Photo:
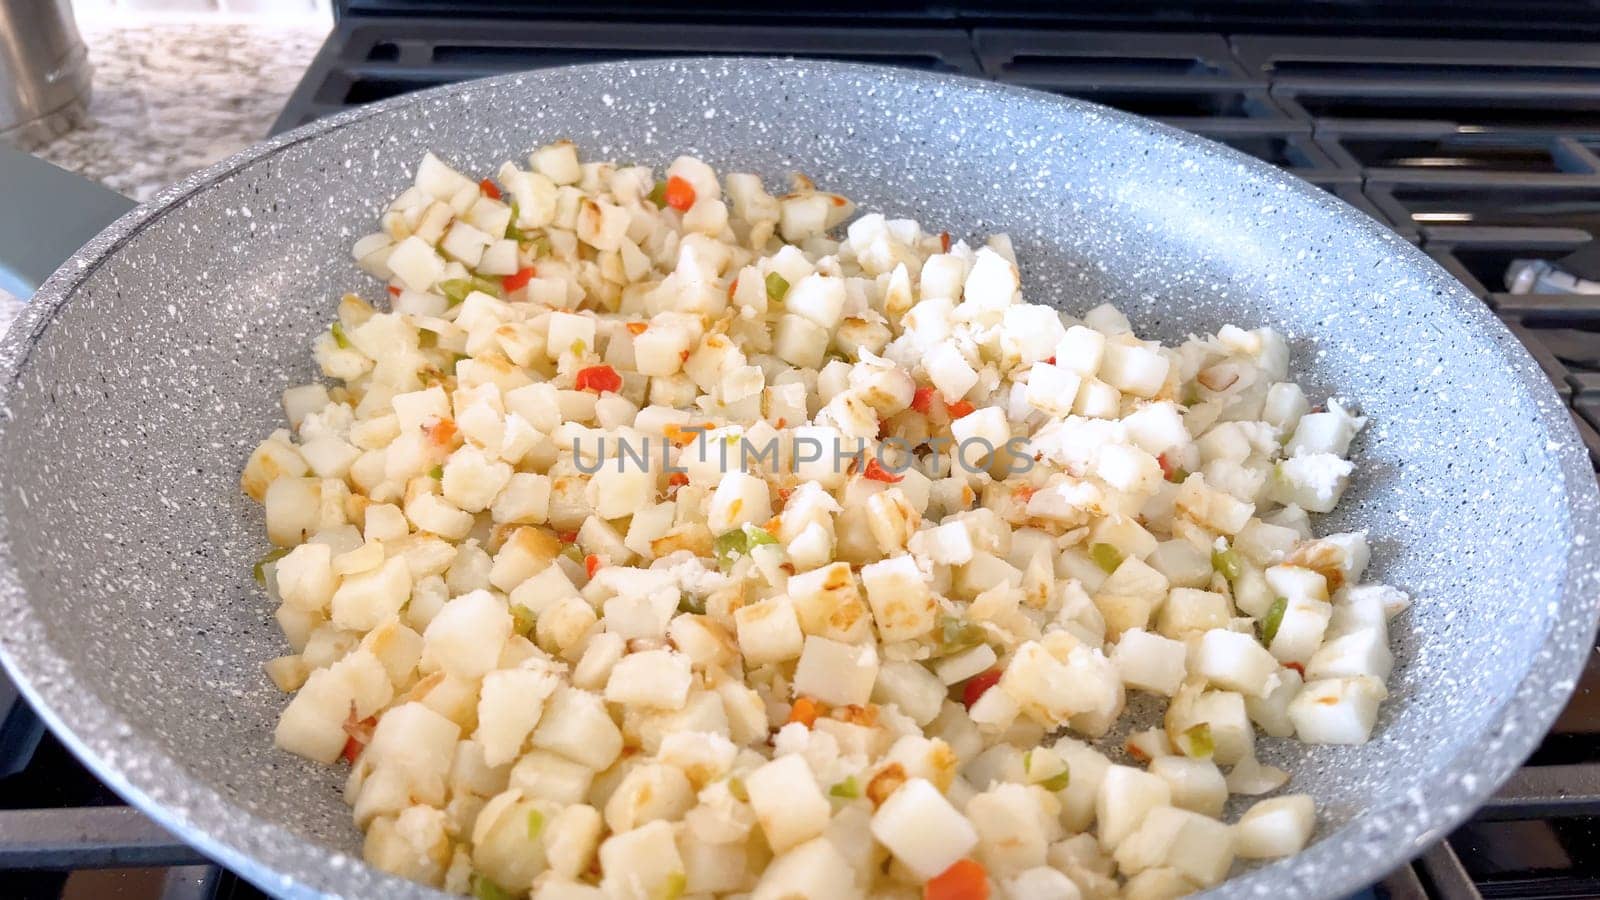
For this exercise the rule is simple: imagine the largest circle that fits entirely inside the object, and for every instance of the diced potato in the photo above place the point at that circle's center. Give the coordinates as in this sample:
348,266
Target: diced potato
648,792
917,692
1013,828
922,830
364,600
1337,710
508,707
1271,712
462,630
902,604
1196,784
1300,630
305,577
788,804
837,674
769,631
642,864
1125,797
655,678
1235,662
1152,663
1199,847
814,870
1277,826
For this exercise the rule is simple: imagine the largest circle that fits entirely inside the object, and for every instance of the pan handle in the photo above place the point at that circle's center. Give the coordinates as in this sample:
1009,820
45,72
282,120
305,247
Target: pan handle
46,214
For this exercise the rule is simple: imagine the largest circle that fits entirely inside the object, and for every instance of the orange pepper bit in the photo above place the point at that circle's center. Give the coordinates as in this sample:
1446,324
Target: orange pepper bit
805,711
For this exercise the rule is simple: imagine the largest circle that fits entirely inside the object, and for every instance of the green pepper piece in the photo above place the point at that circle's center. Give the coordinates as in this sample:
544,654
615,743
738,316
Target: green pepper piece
777,286
1227,562
1197,741
535,824
260,568
658,194
847,789
484,889
1106,556
1271,621
339,337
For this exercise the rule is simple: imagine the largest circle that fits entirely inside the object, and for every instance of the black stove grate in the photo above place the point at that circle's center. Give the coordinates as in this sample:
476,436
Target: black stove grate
1480,152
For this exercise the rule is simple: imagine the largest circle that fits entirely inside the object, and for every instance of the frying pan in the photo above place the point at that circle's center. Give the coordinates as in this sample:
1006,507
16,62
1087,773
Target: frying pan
150,363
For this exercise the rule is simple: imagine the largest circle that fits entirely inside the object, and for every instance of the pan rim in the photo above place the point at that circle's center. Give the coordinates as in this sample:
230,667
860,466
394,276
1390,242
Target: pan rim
281,861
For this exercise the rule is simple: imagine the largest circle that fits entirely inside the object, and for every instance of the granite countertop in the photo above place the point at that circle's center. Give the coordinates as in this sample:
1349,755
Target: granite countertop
169,99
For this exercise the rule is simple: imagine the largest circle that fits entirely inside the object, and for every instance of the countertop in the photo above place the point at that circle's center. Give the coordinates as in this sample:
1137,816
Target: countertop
172,98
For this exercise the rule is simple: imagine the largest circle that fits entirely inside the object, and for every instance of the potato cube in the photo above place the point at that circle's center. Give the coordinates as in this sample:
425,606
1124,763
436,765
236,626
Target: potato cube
569,333
642,864
787,801
1271,712
1300,630
1224,714
414,739
293,509
1200,848
528,552
1314,482
363,601
577,725
949,544
571,838
509,705
978,436
305,577
958,667
525,500
835,673
1278,826
922,830
815,870
820,298
1125,797
1011,828
465,243
1080,351
949,371
542,775
432,513
827,602
1152,663
739,499
1196,784
768,631
799,341
655,678
902,603
466,635
1042,883
1188,611
1088,767
416,264
1135,370
912,688
1337,710
648,792
1363,651
1236,662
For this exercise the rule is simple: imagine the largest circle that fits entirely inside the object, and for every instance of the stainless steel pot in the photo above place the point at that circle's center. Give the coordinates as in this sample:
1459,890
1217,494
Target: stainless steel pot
147,367
44,71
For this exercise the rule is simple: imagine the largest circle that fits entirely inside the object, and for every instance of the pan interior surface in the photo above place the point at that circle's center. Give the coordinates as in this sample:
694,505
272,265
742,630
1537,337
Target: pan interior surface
128,603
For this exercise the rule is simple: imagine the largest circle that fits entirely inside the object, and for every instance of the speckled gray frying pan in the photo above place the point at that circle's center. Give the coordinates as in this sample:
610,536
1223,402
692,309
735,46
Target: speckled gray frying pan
150,364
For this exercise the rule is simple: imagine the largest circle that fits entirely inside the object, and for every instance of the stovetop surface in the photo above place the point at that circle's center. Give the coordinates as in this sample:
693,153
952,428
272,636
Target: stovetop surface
1481,152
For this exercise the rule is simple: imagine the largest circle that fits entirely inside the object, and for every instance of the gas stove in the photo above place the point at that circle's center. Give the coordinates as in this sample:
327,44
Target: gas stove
1480,151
